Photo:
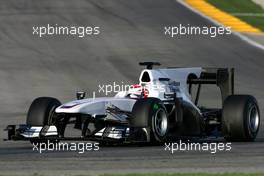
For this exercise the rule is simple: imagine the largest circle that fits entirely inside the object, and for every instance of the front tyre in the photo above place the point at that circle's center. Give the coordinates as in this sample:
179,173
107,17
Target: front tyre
241,118
160,124
151,113
41,113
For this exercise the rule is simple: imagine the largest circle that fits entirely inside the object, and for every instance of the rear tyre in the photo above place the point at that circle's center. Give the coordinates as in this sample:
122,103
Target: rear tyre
241,118
41,113
151,113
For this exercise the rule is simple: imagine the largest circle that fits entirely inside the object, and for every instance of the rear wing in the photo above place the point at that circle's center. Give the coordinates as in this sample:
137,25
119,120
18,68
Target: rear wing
222,77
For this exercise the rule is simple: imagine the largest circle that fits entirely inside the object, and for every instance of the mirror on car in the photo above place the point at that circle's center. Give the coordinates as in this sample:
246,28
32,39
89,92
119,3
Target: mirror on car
80,95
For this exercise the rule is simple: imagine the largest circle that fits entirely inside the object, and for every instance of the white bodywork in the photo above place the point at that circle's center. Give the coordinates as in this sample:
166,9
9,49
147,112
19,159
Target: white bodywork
125,100
34,131
157,83
96,106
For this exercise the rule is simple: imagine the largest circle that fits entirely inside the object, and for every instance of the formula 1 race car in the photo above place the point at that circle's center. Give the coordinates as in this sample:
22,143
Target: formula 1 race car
162,107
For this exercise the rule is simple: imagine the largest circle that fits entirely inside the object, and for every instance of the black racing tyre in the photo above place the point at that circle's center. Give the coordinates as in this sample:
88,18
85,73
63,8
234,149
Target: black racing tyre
240,118
41,113
151,113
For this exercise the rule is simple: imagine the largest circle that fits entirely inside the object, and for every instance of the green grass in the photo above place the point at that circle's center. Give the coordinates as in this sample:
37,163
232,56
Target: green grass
242,6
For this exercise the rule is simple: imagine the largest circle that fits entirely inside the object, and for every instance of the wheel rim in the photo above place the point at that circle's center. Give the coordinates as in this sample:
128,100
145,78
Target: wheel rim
161,122
253,118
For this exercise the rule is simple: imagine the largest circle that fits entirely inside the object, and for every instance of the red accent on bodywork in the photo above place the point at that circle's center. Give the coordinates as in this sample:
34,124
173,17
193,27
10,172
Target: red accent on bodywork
145,92
135,86
142,89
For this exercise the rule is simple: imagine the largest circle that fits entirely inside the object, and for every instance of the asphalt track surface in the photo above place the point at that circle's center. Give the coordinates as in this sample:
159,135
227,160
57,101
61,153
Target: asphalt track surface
131,31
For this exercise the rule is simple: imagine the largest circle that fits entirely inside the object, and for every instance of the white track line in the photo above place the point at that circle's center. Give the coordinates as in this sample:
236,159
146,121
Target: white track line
248,14
241,36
